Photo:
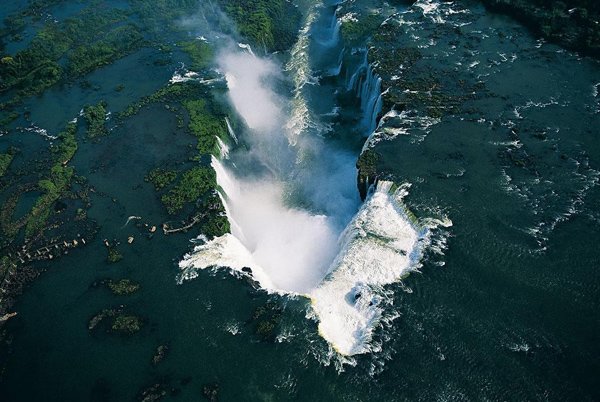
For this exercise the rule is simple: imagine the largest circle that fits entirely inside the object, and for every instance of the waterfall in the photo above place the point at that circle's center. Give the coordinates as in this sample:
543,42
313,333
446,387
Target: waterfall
334,36
356,75
297,228
381,245
230,130
223,148
334,72
371,102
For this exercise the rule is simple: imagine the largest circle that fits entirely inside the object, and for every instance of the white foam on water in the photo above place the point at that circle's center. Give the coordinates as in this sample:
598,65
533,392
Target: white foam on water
223,148
183,76
246,47
131,218
379,247
595,90
41,131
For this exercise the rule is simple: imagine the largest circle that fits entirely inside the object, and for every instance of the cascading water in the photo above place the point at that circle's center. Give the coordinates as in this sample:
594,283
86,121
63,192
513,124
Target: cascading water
371,100
323,246
366,83
230,130
352,84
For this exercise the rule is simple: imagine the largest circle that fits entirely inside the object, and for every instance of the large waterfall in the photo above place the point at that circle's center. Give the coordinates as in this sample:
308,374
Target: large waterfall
297,226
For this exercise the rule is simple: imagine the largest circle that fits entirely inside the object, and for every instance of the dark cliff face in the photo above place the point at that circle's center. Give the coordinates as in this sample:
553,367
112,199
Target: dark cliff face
574,24
367,171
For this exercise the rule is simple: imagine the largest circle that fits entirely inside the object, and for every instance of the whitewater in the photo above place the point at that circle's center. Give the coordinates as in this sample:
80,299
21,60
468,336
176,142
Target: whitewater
297,224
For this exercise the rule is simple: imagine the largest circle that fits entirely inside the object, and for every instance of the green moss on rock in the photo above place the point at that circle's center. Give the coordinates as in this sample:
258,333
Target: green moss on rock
161,178
127,324
123,287
95,117
114,255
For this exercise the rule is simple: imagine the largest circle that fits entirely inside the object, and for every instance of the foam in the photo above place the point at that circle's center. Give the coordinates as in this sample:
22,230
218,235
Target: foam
379,247
288,249
223,148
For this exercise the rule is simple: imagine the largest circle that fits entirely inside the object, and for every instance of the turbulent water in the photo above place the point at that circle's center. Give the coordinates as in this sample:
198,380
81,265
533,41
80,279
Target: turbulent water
469,272
292,227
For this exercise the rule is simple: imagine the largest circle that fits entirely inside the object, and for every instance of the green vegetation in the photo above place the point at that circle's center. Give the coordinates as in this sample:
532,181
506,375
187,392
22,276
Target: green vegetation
355,31
117,43
266,319
196,185
15,23
114,255
8,226
67,146
192,185
121,322
91,39
53,188
127,324
5,160
205,125
169,93
367,163
123,287
573,24
268,24
200,53
217,223
7,118
95,117
160,15
161,178
367,170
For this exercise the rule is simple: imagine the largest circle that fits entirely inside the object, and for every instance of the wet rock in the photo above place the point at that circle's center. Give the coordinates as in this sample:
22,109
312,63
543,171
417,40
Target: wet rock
122,286
153,393
101,316
266,320
160,354
127,324
114,255
116,321
211,392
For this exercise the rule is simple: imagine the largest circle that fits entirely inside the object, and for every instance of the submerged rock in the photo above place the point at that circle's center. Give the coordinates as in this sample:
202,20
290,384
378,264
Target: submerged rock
114,255
101,316
153,393
266,319
160,354
122,323
211,392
